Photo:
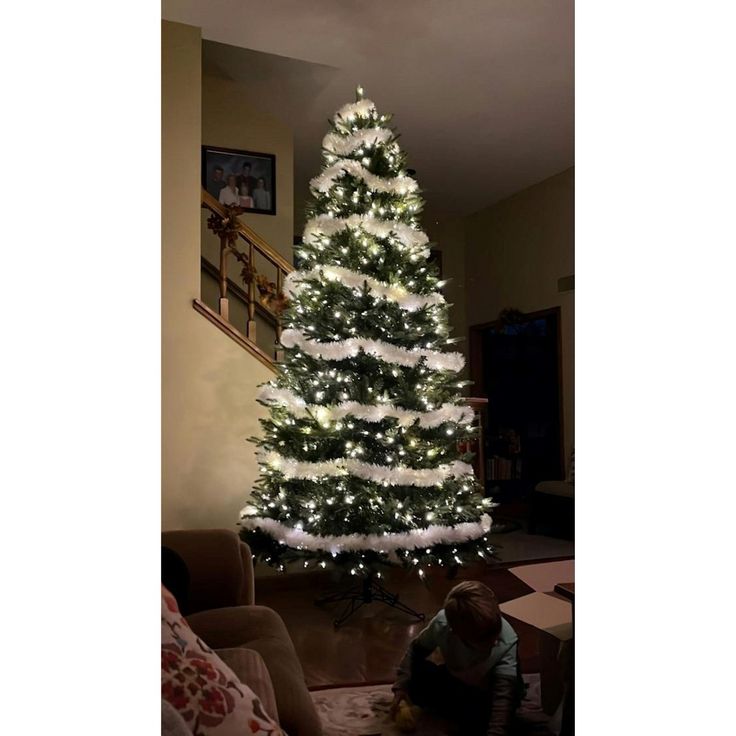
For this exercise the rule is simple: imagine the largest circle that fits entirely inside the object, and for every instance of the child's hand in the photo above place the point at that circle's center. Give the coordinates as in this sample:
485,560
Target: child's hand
399,695
404,713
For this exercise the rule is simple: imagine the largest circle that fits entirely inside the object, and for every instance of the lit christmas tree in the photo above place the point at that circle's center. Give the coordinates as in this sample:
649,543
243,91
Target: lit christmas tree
359,458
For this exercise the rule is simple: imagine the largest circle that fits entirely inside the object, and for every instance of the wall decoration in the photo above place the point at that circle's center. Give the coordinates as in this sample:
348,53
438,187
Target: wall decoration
435,259
240,178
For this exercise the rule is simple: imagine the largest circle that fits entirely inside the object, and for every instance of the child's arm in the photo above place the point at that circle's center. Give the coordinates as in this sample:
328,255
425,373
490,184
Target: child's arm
419,648
503,705
415,653
504,693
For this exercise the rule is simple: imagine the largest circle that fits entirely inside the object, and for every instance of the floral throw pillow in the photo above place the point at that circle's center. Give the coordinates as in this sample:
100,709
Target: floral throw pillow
202,688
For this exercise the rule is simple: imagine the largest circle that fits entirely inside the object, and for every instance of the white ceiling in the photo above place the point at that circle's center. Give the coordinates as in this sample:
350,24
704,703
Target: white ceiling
481,90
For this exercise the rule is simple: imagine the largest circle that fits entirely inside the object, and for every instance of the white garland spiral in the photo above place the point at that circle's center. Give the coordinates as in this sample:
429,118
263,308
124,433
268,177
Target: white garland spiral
299,408
394,185
343,349
413,539
342,145
387,475
324,225
361,108
398,294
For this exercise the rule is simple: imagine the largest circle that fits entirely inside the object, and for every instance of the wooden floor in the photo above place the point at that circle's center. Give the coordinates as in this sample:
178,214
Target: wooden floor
368,647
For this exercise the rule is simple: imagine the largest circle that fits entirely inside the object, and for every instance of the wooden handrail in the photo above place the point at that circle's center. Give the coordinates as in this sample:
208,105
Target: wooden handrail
248,234
225,223
234,288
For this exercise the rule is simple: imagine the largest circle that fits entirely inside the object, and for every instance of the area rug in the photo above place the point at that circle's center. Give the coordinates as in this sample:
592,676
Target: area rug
364,711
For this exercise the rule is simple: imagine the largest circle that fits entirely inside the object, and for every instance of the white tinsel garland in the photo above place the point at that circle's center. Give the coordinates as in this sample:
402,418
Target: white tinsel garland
361,108
342,145
410,238
388,475
367,412
343,349
405,299
414,539
394,185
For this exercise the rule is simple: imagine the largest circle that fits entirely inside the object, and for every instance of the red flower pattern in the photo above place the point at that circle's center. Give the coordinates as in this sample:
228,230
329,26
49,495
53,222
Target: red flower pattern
169,660
175,695
212,701
204,669
200,686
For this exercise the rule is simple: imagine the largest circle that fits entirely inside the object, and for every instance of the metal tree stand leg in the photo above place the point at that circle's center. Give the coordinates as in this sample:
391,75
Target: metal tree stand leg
367,591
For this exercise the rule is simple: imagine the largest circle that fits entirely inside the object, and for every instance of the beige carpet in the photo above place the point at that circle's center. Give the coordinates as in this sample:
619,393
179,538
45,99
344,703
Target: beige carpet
363,711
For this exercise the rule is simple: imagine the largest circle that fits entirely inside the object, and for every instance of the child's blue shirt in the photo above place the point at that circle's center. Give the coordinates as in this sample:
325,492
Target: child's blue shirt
466,663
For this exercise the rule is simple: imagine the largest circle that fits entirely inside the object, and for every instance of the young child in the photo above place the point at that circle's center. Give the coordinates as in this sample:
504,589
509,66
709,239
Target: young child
479,686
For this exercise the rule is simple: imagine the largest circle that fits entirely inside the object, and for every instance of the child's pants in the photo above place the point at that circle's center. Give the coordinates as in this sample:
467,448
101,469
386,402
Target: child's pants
433,688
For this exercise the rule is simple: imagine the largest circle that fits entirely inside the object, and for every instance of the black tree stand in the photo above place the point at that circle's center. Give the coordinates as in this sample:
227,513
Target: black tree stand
368,590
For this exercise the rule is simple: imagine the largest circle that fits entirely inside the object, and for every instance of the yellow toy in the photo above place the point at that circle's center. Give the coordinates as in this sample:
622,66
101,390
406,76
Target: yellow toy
406,717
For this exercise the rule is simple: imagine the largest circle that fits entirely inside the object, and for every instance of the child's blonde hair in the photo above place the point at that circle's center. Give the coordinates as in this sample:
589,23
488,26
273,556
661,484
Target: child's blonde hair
472,605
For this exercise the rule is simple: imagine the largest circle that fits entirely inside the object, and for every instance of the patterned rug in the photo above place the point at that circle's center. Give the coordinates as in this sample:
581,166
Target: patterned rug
364,711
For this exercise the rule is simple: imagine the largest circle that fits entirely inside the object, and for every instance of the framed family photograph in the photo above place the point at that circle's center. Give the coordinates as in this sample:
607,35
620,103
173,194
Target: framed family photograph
243,178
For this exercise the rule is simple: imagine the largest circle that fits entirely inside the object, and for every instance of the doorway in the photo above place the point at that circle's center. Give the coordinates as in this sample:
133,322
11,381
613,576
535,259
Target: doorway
515,364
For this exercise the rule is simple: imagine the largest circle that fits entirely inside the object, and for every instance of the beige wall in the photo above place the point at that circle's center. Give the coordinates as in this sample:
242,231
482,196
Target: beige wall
448,236
515,251
230,120
208,381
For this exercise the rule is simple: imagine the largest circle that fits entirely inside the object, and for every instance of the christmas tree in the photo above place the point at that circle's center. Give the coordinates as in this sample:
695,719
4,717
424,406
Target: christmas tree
359,455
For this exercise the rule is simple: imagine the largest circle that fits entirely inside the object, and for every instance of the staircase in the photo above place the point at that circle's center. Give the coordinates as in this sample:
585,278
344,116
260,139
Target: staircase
245,299
242,295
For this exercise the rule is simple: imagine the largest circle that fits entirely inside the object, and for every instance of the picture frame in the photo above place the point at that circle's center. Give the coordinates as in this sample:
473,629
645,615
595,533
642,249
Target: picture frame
253,187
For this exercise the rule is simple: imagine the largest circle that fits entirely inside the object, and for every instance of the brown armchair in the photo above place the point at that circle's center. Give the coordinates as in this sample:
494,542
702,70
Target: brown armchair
220,567
222,611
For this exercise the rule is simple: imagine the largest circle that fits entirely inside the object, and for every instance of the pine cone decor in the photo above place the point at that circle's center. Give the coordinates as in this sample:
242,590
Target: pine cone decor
266,288
279,303
248,273
214,223
510,316
270,296
227,226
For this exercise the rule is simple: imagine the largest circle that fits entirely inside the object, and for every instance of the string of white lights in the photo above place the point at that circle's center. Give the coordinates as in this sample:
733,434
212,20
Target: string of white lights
299,408
342,145
343,349
387,475
390,542
392,184
326,226
406,299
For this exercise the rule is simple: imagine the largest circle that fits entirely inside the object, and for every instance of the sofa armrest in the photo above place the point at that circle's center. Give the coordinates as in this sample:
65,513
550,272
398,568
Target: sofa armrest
251,670
262,629
249,585
220,569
